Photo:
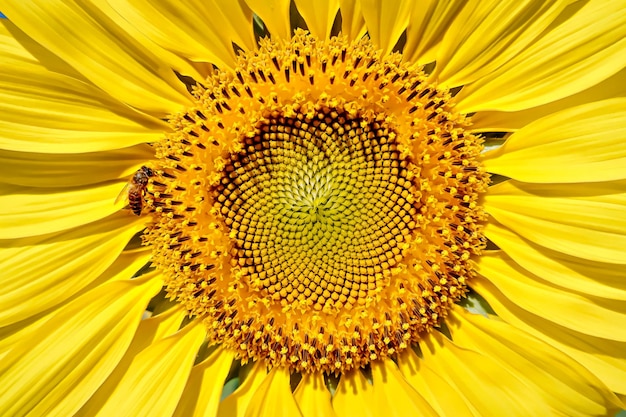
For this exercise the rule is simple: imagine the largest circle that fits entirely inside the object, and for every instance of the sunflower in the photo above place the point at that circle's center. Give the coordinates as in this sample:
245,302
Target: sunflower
335,208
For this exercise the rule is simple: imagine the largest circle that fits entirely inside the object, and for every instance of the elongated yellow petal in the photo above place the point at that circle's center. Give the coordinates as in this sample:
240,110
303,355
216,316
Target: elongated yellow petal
56,369
579,53
499,121
273,398
37,211
484,384
201,396
31,136
56,64
102,52
428,24
583,313
395,395
606,359
124,267
583,220
70,170
47,112
388,395
353,397
433,387
150,330
576,274
313,397
352,23
386,21
40,276
18,46
197,30
562,383
275,16
582,144
12,335
156,378
486,34
319,16
234,20
236,404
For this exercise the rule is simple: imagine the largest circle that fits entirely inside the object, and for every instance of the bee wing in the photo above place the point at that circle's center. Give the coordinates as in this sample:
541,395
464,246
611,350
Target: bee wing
123,195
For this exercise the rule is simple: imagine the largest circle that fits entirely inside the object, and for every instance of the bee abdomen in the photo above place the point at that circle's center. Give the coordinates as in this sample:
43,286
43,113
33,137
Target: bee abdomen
136,204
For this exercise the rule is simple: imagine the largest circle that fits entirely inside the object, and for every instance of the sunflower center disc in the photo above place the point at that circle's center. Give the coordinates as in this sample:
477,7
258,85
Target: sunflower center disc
318,207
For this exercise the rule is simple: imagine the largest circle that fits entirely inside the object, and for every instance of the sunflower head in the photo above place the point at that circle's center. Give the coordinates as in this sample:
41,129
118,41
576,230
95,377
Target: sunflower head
318,207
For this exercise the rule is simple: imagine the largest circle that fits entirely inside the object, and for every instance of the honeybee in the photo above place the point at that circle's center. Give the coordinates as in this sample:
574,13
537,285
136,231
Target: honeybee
136,188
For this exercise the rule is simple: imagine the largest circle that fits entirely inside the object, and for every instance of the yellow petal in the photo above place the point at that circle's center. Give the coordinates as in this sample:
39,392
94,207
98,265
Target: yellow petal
11,336
273,398
40,276
319,16
485,385
386,21
157,376
313,397
584,220
353,397
389,395
395,395
201,396
575,55
124,267
150,330
25,50
56,64
498,121
576,274
562,383
47,112
56,369
102,52
37,211
235,404
486,34
583,313
352,23
70,170
606,359
433,387
582,144
275,16
197,30
427,27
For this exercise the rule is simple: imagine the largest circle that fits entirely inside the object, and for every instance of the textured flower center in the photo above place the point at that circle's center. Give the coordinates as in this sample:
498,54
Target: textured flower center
318,207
